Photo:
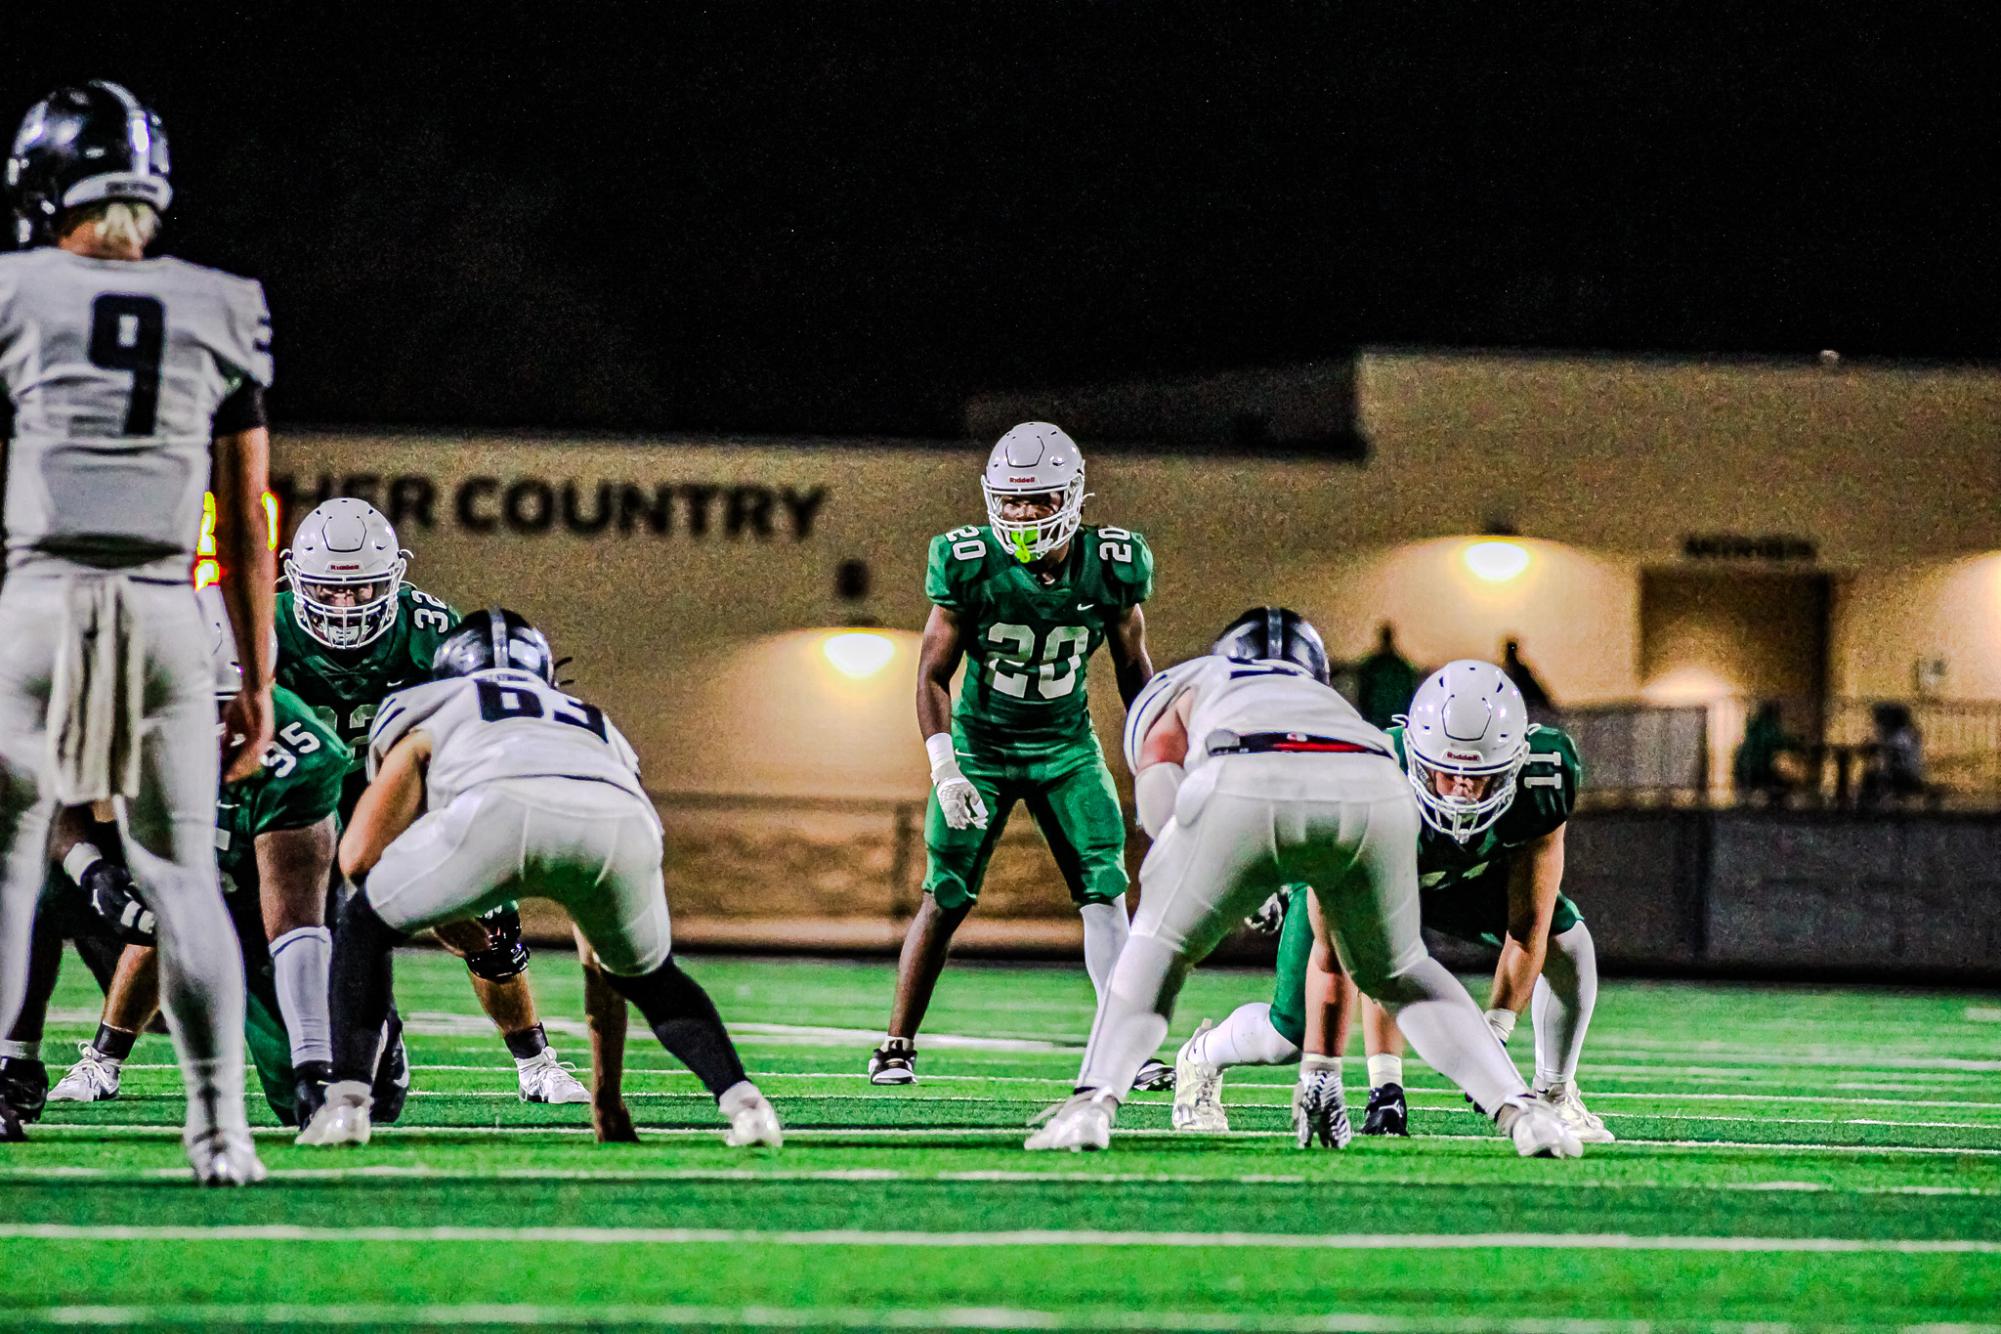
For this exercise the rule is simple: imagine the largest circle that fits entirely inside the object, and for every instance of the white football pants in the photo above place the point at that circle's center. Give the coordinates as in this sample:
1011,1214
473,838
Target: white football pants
1246,824
589,846
169,827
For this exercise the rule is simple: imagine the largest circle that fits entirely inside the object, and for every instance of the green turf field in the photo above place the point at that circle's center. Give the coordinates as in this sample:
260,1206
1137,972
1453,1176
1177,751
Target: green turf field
1790,1158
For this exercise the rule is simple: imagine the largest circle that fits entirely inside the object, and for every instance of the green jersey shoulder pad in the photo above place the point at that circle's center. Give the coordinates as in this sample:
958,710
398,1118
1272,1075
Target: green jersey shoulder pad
1546,791
1125,562
958,563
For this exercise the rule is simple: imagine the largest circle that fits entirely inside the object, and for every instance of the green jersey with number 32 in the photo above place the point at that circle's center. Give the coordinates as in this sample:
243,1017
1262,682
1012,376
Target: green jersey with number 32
345,688
1545,794
299,785
1027,643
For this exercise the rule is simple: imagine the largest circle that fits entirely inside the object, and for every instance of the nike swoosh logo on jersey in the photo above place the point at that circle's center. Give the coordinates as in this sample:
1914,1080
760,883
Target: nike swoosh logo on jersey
1085,606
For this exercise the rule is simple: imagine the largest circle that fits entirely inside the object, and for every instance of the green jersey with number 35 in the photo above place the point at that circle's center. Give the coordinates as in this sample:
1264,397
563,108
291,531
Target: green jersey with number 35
1545,794
344,688
299,785
1027,643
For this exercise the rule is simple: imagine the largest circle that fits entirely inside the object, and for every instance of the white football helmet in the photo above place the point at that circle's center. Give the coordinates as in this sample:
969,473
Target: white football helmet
1035,459
345,568
1467,719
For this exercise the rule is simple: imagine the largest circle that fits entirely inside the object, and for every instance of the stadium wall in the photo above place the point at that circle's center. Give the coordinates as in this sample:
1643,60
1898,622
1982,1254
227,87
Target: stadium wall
695,581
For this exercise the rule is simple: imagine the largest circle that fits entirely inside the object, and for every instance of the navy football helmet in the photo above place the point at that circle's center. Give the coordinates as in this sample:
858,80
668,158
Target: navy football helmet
1265,634
494,638
81,146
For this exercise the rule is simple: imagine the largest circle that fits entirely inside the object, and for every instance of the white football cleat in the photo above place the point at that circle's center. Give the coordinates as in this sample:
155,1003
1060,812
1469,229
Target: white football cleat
1198,1090
1582,1122
1079,1123
1320,1111
94,1078
546,1079
753,1121
342,1118
225,1158
1537,1130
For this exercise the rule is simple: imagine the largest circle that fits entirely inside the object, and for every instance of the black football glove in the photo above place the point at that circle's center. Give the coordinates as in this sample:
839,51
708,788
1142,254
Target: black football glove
113,898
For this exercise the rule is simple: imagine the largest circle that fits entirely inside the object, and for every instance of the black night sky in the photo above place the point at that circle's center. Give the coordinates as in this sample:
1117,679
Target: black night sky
844,218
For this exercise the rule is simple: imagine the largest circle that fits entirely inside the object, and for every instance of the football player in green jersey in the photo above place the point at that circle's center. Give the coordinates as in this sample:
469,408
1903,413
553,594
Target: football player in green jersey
1495,793
350,634
1026,600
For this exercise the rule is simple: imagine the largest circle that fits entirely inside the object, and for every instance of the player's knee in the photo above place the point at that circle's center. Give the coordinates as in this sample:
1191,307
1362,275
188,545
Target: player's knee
951,895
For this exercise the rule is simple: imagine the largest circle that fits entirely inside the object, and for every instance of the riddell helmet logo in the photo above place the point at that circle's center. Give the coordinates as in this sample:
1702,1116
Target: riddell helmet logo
1021,479
1464,756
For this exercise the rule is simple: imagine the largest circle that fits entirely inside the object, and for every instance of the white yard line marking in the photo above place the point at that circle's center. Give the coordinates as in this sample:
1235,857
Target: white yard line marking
892,1176
1062,1237
872,1318
1983,1014
1000,1134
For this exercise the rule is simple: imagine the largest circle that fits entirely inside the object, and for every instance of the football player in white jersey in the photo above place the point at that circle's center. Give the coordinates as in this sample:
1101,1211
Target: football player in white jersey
1250,772
486,784
121,374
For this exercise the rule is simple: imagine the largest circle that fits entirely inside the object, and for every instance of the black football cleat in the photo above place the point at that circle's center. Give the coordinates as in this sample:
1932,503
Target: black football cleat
1387,1114
309,1089
1153,1077
391,1088
10,1126
894,1062
24,1087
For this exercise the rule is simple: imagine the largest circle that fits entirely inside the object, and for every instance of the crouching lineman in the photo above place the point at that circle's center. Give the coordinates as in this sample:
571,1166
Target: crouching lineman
485,784
1496,794
1250,772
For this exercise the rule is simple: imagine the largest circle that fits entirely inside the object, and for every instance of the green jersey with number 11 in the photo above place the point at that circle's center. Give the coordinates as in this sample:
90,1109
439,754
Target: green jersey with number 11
1028,643
345,687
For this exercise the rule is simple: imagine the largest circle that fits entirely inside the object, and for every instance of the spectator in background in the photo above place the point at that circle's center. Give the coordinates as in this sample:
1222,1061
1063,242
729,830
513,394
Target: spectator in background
1760,764
1897,766
1385,680
1533,694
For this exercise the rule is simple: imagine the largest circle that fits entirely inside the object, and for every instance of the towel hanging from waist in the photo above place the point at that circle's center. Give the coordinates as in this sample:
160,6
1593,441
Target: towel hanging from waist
96,694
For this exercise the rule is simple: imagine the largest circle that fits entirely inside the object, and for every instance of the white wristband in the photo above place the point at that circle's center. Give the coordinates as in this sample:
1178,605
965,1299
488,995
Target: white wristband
79,859
1503,1024
939,747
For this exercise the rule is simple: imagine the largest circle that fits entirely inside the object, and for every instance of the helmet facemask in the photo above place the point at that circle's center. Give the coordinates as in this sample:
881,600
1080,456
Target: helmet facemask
1031,539
346,610
1462,818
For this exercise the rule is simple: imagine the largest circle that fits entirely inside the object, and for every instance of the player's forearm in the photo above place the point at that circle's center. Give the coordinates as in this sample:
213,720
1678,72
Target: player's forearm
934,705
386,809
241,475
1515,974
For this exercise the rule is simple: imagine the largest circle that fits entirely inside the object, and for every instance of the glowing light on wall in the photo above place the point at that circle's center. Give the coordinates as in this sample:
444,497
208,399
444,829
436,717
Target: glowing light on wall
207,569
858,654
1496,562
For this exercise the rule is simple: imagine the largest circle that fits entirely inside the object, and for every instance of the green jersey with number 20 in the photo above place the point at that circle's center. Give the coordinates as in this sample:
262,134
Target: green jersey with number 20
345,688
1027,643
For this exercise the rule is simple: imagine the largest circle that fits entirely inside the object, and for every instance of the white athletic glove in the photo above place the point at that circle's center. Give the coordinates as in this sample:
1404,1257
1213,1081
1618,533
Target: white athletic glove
958,799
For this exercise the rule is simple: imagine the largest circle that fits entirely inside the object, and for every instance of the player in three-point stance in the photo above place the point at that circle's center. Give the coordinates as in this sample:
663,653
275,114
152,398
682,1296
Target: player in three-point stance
1496,794
1026,600
351,632
486,784
122,374
1251,773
